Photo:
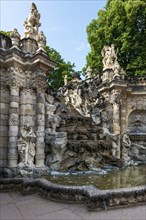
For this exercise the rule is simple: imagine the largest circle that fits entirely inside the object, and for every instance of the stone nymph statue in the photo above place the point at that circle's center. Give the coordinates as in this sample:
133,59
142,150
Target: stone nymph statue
26,147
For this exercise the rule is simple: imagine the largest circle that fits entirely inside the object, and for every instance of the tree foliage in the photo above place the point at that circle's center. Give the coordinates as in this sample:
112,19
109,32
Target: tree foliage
56,78
5,33
122,22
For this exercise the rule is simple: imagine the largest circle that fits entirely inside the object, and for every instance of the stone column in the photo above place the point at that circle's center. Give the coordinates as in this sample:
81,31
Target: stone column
123,115
40,131
13,126
116,96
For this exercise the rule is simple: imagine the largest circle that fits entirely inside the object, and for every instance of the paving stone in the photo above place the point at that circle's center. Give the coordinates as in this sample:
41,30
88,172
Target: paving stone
16,206
5,198
10,211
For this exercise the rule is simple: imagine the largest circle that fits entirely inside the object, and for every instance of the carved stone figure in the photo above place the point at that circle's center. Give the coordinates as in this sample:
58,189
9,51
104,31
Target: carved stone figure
26,147
88,72
109,57
41,39
31,24
126,144
135,152
15,37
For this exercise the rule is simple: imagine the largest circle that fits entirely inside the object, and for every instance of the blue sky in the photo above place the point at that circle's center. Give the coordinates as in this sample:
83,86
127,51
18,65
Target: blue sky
63,22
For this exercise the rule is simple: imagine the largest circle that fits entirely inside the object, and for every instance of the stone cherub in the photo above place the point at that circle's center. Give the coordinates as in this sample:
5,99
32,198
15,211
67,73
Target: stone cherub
26,147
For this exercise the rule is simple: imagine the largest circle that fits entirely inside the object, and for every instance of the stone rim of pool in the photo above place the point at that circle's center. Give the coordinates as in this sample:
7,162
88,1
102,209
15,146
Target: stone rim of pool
93,198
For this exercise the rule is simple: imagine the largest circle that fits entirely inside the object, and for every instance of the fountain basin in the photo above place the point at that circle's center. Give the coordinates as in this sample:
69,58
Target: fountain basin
93,198
109,178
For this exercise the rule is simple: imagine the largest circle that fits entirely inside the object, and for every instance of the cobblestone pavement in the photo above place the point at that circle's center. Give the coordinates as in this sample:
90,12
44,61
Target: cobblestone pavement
14,206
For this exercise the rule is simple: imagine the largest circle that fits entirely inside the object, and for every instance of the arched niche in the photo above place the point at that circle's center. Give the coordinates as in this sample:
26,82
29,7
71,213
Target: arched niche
137,122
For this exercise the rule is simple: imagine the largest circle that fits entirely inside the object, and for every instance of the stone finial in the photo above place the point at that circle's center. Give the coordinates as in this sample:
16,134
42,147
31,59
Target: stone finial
41,39
65,80
88,72
31,24
15,37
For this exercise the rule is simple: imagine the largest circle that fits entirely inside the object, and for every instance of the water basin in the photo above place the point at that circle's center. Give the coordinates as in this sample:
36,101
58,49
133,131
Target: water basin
122,178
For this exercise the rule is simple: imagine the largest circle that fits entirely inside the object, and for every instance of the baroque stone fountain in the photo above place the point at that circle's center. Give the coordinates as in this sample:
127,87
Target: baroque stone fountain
92,125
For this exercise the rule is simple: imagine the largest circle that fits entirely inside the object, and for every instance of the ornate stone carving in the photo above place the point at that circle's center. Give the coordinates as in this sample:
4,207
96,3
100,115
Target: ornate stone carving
14,119
26,147
32,24
110,62
41,39
109,55
15,37
126,144
88,72
115,97
137,122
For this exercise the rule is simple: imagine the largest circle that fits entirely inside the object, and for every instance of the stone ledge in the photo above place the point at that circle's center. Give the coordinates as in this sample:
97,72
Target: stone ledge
93,198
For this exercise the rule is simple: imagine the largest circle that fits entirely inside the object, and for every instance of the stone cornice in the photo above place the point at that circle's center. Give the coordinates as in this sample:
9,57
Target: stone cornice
15,57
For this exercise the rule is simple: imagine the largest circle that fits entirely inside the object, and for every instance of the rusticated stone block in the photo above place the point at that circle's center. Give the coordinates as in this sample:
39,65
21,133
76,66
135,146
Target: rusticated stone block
31,119
14,110
4,99
4,128
3,142
14,119
27,109
3,153
3,163
14,98
12,145
4,119
13,133
4,108
14,104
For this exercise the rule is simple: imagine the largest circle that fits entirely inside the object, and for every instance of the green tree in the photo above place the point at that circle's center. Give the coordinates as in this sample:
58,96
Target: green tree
5,33
122,22
56,78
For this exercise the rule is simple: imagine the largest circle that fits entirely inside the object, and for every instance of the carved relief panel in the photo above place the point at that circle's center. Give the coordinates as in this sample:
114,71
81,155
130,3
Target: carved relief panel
137,122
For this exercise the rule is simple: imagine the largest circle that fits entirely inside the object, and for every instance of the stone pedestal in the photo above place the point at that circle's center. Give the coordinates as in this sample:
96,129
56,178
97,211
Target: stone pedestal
29,45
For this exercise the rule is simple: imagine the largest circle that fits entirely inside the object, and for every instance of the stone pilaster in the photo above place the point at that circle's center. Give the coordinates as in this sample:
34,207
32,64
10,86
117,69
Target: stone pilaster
116,118
123,114
115,100
40,131
13,126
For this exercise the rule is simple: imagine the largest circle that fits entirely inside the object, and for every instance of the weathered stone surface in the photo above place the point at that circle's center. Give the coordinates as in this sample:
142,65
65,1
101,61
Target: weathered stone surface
82,121
93,198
